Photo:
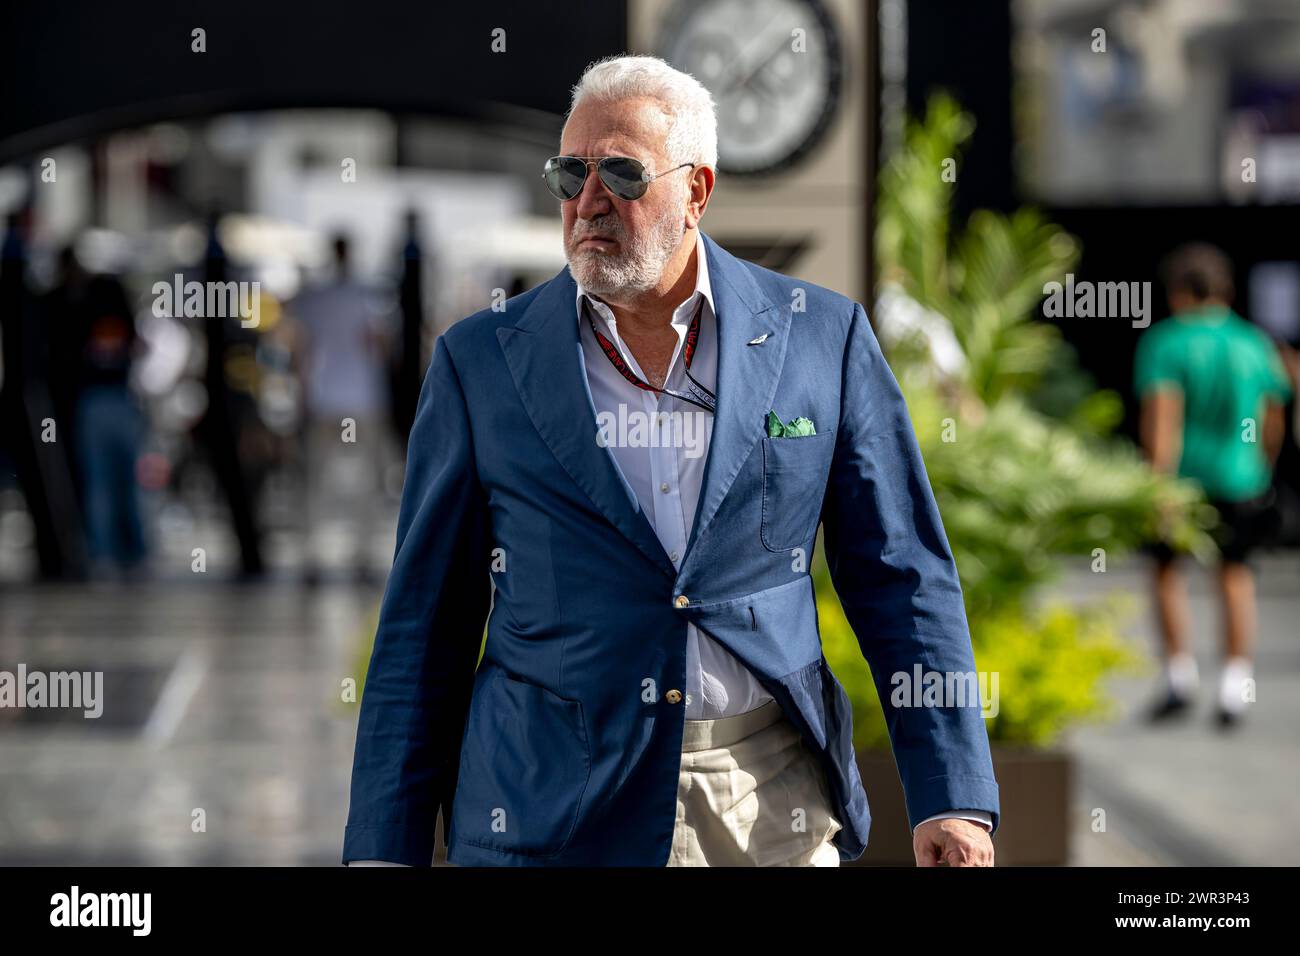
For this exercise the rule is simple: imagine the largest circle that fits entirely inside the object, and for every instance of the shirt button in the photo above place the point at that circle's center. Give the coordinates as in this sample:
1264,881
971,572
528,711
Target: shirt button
673,696
673,556
682,600
664,487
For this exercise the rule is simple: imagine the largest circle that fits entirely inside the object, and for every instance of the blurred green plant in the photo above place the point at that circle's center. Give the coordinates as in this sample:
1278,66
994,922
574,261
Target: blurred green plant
1049,663
1017,443
365,646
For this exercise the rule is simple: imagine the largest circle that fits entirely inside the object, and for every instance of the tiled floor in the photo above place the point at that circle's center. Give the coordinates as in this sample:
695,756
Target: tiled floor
234,716
226,699
1190,794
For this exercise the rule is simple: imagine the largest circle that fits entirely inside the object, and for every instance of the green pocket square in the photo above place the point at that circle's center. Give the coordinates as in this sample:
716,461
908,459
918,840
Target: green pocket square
798,428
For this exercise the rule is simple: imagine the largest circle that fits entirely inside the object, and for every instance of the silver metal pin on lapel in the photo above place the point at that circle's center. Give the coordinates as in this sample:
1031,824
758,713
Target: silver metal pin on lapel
760,340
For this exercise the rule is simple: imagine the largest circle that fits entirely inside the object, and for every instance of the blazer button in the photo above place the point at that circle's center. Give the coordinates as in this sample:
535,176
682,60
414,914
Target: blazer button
682,600
673,697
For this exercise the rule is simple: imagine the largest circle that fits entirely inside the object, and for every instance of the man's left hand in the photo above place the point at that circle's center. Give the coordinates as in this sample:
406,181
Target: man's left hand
953,842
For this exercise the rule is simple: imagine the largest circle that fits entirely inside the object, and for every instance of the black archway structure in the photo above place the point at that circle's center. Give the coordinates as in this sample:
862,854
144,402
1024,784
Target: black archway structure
74,73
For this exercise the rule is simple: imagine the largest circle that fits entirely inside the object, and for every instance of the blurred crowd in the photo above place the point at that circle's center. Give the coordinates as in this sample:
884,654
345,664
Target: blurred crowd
119,419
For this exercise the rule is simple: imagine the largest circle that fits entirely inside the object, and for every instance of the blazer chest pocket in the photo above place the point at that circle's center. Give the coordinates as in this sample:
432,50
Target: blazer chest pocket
794,483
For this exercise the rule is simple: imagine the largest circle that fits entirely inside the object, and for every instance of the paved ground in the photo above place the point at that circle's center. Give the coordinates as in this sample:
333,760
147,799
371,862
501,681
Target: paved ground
1190,794
226,698
218,697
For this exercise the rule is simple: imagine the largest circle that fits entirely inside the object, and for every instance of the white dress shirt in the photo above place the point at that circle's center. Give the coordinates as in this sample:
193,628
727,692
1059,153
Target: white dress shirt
662,467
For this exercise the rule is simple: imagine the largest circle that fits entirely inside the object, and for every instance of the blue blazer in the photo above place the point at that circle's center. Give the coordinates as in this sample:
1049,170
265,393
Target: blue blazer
562,748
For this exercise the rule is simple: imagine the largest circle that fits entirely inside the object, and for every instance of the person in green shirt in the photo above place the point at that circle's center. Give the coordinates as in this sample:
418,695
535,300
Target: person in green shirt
1213,389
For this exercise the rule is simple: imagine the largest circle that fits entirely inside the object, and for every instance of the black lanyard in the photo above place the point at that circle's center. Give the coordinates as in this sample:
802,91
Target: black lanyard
700,395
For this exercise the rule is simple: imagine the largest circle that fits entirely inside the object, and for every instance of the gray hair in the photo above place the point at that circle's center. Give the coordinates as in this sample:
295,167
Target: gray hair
693,136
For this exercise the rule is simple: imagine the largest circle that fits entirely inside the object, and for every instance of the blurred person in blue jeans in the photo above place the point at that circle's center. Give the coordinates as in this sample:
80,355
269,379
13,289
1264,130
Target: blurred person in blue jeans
109,428
1213,389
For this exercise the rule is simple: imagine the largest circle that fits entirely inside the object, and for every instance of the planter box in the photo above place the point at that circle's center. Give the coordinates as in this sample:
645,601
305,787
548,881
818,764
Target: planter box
1034,789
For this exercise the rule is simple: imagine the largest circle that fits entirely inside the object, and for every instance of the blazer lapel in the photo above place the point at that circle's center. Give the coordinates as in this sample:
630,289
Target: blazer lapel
747,375
542,351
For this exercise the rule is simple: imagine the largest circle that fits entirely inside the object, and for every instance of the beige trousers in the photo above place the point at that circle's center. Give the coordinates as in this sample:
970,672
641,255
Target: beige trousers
751,793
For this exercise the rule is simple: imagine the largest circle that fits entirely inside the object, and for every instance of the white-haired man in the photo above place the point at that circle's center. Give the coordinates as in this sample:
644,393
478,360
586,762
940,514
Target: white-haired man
641,450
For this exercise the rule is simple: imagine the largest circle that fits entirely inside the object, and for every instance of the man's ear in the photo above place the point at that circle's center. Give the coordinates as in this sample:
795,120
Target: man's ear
701,188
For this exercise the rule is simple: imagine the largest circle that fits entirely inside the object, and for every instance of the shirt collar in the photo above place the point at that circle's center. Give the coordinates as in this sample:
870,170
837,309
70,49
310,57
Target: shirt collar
703,288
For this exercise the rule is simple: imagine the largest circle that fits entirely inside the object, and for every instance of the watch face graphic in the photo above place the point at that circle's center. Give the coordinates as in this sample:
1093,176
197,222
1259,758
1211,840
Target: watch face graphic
774,67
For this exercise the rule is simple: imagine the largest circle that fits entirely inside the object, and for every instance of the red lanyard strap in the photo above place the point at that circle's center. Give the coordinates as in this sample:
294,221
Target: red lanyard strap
700,395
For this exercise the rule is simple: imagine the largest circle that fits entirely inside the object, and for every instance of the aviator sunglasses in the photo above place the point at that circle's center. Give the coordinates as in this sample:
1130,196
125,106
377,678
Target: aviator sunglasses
625,177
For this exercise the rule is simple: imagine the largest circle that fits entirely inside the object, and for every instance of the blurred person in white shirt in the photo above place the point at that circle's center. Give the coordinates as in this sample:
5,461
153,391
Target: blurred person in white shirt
346,402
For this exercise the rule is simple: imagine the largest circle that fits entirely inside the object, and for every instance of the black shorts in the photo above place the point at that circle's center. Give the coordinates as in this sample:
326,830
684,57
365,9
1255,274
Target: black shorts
1243,526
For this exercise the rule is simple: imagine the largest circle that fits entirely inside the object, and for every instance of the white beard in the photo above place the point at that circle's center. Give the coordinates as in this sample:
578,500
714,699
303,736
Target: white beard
639,265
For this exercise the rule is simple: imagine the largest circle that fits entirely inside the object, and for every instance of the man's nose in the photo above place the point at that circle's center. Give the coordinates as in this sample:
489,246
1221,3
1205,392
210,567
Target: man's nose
594,200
